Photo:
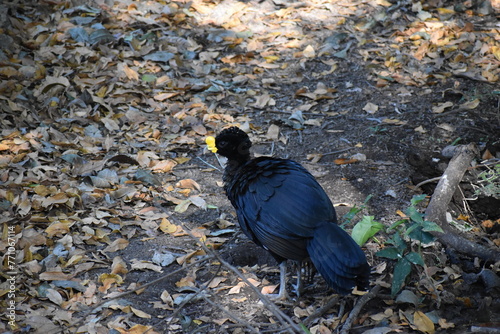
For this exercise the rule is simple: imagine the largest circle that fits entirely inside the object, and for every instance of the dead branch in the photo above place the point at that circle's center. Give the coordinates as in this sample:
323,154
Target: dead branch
358,307
436,210
318,313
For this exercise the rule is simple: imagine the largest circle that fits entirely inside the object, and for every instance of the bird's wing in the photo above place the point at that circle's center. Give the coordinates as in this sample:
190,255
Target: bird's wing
279,205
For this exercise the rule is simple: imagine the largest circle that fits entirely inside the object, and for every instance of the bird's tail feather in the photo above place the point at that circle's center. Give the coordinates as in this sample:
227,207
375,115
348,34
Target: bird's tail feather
338,258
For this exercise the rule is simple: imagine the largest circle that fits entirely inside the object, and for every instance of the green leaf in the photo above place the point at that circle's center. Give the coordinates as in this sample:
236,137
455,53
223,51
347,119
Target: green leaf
148,78
365,229
401,270
420,235
417,199
415,258
304,328
183,206
351,214
412,228
399,243
428,226
414,215
389,253
396,224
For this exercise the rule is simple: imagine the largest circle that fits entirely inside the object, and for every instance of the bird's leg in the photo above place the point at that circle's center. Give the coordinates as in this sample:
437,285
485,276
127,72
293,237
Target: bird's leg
282,294
299,288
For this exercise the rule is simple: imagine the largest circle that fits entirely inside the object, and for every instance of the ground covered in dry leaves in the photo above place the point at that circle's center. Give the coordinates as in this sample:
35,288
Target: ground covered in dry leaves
106,185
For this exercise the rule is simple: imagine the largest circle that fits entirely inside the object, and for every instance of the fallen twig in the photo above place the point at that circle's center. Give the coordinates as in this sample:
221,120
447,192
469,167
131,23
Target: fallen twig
434,179
358,307
322,310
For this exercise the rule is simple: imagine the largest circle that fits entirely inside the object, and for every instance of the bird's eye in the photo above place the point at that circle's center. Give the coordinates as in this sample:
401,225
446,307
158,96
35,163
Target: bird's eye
222,143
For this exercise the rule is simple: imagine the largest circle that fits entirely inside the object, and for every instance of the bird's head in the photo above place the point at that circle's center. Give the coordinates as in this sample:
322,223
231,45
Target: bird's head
232,143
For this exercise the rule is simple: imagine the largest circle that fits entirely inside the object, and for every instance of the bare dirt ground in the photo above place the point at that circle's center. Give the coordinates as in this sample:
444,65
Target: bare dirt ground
392,118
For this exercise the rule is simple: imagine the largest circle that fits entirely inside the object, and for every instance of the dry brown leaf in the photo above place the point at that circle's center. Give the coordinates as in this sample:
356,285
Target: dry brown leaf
119,266
236,289
309,52
140,314
444,324
370,108
273,132
141,329
268,289
344,161
143,265
188,184
420,129
54,296
58,228
54,276
185,258
441,107
117,245
164,166
130,73
470,104
216,281
185,281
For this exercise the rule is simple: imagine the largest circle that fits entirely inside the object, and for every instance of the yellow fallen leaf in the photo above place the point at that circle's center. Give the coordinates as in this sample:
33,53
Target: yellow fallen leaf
495,50
423,323
444,11
167,227
110,277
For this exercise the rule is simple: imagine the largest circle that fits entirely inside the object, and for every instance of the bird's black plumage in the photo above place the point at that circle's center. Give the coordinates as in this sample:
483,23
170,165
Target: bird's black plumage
281,207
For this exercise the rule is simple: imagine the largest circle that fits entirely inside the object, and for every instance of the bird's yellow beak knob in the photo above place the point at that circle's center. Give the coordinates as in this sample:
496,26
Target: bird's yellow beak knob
211,144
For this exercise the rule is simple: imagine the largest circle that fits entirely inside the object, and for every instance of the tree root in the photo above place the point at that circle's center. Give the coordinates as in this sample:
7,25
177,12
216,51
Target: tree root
436,210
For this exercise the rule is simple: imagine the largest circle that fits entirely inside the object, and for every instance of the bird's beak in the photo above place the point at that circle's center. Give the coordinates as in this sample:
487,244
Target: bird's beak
211,144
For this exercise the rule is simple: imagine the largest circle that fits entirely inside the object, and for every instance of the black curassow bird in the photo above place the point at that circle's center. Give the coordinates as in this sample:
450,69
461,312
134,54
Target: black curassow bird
281,207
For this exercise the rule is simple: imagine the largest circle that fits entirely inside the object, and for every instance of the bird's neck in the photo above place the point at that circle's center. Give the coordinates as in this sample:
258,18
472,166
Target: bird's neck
232,167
